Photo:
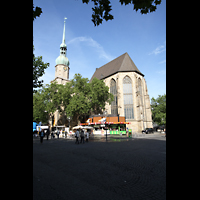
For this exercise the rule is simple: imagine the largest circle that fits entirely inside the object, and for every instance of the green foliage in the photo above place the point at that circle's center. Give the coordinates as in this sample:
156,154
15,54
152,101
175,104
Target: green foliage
39,108
36,12
102,8
38,70
76,99
158,108
99,95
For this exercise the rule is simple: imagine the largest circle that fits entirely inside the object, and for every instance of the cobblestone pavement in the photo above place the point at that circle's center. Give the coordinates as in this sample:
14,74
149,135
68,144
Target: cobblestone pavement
119,169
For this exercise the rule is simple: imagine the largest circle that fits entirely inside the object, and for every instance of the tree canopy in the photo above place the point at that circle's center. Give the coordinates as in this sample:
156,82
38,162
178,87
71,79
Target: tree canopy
158,108
102,8
38,70
76,98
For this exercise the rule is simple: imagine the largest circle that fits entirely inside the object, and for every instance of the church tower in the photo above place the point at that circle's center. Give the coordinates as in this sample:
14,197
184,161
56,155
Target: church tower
61,75
62,63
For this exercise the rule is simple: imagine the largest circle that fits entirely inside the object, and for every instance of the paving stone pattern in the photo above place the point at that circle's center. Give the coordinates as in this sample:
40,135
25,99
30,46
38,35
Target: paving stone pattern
133,169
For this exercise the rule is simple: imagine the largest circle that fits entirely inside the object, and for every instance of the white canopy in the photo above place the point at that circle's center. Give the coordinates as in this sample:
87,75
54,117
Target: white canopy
87,127
77,127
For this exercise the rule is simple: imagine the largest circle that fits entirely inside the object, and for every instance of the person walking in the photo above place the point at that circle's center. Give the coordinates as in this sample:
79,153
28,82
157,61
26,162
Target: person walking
87,135
48,132
52,135
82,136
58,132
77,136
41,135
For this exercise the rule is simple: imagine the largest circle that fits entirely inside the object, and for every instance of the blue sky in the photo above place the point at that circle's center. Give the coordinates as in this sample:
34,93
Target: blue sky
143,37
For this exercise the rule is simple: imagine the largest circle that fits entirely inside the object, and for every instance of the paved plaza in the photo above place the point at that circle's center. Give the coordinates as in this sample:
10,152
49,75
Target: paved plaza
119,169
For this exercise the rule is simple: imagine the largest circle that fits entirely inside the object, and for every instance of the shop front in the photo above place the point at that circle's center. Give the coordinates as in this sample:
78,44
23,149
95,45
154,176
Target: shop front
111,124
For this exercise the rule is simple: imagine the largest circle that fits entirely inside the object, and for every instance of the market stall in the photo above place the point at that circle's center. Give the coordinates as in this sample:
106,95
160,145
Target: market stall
111,127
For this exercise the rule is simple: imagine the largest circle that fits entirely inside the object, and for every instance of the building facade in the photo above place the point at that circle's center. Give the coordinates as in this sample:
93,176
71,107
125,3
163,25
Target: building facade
129,88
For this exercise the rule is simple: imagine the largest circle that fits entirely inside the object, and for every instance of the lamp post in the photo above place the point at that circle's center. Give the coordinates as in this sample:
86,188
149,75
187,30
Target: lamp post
105,113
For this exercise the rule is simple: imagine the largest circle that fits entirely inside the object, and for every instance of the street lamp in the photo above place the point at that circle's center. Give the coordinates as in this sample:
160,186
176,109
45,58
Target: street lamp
105,113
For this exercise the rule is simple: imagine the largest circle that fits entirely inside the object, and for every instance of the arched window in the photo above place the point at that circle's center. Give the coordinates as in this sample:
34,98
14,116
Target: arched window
113,90
128,98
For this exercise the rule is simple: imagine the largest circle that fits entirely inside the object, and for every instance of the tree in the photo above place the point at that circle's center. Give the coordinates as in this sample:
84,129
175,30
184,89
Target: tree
158,108
87,97
38,70
38,65
39,108
46,101
36,12
77,99
99,95
102,8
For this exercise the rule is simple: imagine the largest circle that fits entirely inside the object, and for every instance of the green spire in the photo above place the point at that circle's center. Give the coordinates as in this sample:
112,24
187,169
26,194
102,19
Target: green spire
62,59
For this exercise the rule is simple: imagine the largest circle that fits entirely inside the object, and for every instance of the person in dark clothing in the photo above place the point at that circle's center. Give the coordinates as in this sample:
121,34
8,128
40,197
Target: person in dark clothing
52,135
82,136
77,136
58,132
41,135
48,132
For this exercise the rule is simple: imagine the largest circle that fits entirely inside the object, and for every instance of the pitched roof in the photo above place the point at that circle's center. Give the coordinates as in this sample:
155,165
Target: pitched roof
122,63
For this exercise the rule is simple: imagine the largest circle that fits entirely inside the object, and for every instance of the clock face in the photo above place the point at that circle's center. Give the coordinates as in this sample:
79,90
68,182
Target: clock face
65,68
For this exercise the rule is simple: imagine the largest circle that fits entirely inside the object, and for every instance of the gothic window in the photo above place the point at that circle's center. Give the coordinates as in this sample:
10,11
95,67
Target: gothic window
113,90
128,98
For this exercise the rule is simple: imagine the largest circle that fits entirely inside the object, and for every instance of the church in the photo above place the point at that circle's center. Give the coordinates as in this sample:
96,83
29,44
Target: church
125,82
129,88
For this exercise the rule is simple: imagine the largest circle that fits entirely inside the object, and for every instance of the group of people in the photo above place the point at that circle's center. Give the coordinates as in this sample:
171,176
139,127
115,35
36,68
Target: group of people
82,134
79,132
46,132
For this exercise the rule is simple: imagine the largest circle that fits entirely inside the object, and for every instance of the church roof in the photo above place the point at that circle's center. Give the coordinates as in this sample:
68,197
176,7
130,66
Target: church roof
122,63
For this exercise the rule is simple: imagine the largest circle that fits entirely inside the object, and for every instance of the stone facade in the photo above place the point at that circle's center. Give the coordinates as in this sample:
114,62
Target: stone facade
120,68
142,110
61,74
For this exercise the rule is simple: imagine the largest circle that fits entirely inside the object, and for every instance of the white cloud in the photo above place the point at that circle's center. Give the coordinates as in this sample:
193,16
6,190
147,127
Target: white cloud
164,61
90,42
159,49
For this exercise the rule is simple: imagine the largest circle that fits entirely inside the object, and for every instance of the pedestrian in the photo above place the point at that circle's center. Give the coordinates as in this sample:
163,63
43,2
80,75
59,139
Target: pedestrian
52,135
48,132
58,133
41,135
87,135
82,136
77,136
